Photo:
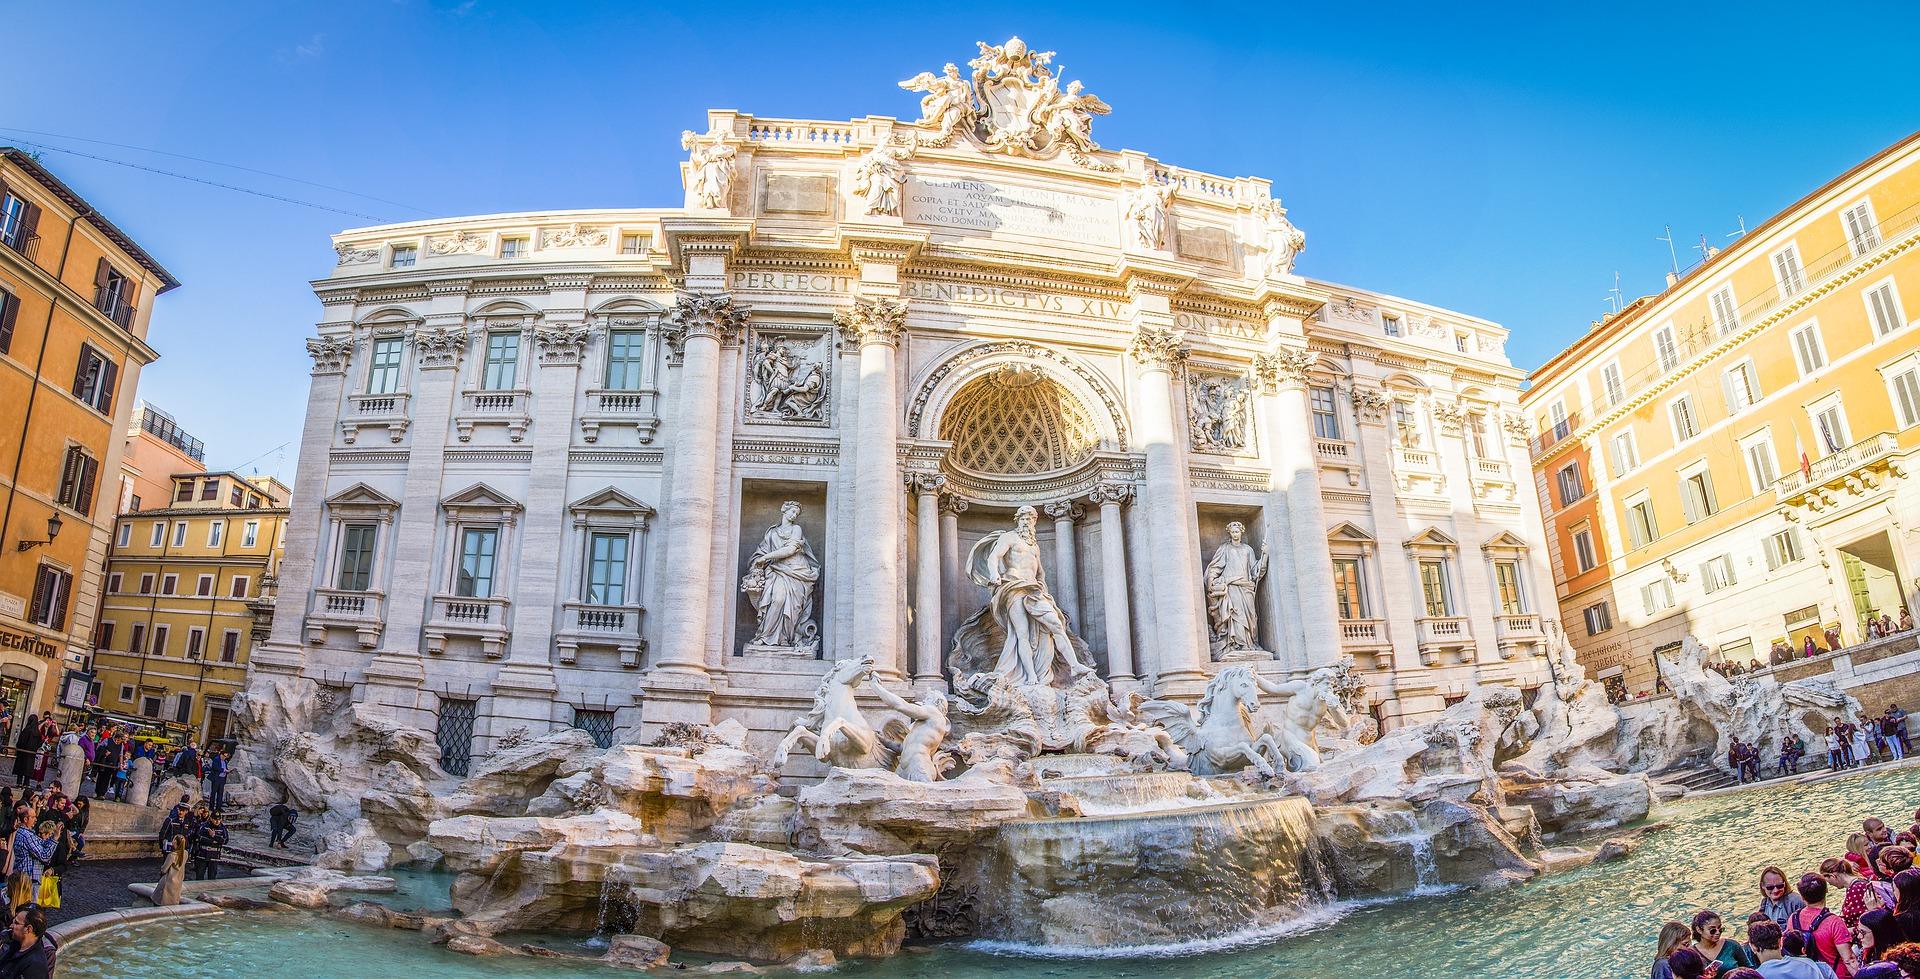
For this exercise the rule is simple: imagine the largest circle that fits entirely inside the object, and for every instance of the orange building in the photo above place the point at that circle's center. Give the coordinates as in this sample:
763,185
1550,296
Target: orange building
158,449
75,295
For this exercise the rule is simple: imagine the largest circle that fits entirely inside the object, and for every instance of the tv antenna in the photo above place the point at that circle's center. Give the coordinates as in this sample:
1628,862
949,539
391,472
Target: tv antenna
1672,256
1742,233
1706,250
1613,295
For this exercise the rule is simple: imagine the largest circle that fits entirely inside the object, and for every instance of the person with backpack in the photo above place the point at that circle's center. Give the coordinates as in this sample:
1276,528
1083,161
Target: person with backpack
1827,937
1765,937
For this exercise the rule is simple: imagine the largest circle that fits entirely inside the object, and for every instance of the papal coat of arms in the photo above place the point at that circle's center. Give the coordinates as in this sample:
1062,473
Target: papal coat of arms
1013,104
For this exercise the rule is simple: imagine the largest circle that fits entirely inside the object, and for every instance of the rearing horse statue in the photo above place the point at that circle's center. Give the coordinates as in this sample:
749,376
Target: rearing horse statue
1218,735
834,728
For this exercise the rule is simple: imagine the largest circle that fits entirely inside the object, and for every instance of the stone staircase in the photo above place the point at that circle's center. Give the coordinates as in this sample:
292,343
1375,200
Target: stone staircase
1696,774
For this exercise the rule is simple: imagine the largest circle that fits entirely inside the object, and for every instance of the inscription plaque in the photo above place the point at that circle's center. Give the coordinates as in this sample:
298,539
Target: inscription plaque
986,207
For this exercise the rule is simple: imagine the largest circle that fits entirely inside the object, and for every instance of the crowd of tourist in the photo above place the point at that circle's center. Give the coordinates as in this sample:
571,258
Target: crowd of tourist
1848,745
1855,916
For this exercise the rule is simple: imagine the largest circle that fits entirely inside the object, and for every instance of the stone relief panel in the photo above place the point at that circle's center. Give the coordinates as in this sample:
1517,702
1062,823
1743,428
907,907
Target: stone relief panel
789,379
1217,411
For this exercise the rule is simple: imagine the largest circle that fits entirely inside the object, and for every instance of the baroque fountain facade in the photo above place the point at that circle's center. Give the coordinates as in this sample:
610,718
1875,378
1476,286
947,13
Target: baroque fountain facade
939,528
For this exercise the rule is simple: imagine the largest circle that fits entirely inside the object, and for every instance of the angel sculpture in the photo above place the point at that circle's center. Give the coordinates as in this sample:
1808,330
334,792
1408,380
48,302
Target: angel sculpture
948,103
1068,117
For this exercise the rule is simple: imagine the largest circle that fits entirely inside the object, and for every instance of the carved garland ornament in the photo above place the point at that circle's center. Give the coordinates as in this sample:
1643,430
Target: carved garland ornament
562,345
349,255
440,348
708,314
873,321
464,243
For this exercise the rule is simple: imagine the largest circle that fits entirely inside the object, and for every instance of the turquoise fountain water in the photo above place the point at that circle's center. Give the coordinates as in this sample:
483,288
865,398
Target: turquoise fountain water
1596,923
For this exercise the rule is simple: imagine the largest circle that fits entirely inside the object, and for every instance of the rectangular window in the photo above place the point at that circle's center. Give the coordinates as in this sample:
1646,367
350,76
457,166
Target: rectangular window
124,537
137,641
1405,428
1642,526
150,706
250,534
1696,496
126,693
233,498
1506,577
1740,386
78,476
1787,273
1782,548
1572,487
356,556
1347,588
146,584
1863,235
113,293
183,491
113,583
1390,324
1657,595
607,568
1686,424
598,723
180,533
1664,346
1808,351
1717,573
1433,588
1599,619
203,587
1626,453
513,247
404,256
503,361
1461,341
183,709
239,587
624,349
1583,557
196,642
210,490
455,735
160,635
1326,413
169,583
1477,435
1561,426
52,588
16,230
1615,387
474,578
383,370
1761,468
230,646
633,244
1831,426
216,529
1726,315
1883,307
159,536
1905,388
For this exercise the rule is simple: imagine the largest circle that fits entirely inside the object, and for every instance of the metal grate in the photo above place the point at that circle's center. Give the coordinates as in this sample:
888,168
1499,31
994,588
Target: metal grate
456,735
598,723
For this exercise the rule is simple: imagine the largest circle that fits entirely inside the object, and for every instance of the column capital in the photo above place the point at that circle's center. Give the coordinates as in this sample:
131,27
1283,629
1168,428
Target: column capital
1283,367
441,347
1118,494
921,482
950,502
562,345
873,321
330,354
711,314
1068,510
1370,404
1157,348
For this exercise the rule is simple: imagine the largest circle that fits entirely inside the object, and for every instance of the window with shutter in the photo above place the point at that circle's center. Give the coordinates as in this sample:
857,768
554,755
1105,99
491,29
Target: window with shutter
1807,350
9,311
1906,396
1786,272
1862,235
1726,316
1883,308
89,475
1664,346
1616,389
69,476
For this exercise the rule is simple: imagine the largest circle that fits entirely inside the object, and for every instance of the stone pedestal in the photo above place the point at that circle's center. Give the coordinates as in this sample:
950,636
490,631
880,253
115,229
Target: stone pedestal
139,781
73,766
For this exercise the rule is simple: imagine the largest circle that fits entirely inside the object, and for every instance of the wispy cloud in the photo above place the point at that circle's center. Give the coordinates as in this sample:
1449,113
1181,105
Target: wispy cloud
314,47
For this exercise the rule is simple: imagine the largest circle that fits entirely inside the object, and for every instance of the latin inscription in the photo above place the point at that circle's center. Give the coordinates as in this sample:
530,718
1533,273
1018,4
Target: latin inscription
1220,326
791,282
996,208
1022,299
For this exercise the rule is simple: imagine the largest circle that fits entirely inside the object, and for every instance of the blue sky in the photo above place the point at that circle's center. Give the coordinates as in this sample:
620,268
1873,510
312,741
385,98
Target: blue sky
1504,162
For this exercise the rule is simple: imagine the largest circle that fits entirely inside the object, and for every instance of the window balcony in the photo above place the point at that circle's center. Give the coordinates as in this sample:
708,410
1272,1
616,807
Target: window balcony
1515,631
388,411
1417,472
1338,452
1857,468
610,626
1420,460
362,611
1443,635
509,408
26,244
638,410
1366,640
1491,469
485,619
110,301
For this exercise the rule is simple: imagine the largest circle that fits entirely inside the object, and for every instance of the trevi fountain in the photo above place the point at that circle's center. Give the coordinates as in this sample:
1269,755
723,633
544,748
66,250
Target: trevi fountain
1083,689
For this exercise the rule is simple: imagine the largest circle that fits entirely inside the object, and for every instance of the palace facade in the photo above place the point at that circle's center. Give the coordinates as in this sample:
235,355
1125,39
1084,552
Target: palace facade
618,468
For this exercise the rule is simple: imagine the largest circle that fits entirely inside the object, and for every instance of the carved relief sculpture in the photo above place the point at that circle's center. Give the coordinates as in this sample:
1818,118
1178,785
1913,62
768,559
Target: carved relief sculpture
779,581
349,255
1233,580
573,236
463,243
879,175
1217,412
1146,215
1284,241
948,104
1013,104
789,378
709,169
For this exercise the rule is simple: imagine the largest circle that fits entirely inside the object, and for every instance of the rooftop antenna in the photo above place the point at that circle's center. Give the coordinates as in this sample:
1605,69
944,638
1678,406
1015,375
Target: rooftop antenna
1706,250
1613,294
1742,233
1672,256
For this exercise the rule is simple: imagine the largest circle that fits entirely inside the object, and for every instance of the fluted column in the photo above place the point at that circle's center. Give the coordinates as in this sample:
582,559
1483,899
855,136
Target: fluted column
1295,486
926,578
951,507
698,324
875,325
282,654
1176,582
1113,579
1066,560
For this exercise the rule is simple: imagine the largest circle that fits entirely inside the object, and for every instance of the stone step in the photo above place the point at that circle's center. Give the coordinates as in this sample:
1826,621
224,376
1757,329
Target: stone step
256,857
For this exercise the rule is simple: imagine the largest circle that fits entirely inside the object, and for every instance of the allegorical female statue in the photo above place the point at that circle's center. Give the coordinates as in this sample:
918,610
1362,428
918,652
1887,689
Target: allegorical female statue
780,580
1233,578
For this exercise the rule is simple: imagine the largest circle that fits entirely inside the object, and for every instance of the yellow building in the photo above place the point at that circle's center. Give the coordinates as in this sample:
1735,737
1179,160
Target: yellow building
188,589
75,294
1731,458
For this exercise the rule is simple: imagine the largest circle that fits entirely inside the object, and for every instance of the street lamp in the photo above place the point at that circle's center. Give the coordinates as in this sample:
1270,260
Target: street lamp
53,531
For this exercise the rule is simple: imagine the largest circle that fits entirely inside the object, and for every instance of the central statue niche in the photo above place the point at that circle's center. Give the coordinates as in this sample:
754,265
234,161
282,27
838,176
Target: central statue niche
1017,421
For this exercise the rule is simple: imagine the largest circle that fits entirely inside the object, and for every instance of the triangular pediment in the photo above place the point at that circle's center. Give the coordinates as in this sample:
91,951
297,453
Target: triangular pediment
362,495
1504,541
481,496
1348,532
1431,537
611,500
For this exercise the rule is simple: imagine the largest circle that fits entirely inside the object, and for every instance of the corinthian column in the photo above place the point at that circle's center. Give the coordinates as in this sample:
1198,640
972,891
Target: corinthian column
1066,560
951,507
926,578
1176,583
875,325
1113,580
698,324
284,653
1295,489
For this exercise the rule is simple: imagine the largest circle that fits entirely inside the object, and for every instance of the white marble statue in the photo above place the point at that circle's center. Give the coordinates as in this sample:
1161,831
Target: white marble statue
1007,562
1233,579
835,729
1217,413
1067,116
787,385
1284,241
780,580
948,104
879,175
1309,700
710,169
1218,735
1146,214
919,758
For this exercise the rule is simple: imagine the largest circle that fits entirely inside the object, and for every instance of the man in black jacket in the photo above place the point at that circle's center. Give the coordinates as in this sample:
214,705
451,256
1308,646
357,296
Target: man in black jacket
208,841
25,955
106,761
